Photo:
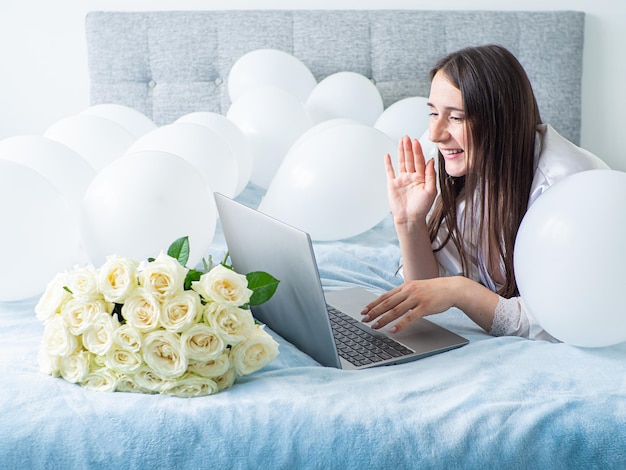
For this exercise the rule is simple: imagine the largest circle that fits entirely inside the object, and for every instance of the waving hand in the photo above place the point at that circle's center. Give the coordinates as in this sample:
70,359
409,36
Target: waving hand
412,190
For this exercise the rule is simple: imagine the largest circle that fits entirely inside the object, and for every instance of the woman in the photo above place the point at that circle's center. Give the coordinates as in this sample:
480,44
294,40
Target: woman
494,157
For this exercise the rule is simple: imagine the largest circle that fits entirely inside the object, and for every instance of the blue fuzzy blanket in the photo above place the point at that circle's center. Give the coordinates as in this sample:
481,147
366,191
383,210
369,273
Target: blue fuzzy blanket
497,402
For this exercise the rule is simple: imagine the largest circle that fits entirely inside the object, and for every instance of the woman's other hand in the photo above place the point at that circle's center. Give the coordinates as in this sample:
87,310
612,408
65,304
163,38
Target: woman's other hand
416,299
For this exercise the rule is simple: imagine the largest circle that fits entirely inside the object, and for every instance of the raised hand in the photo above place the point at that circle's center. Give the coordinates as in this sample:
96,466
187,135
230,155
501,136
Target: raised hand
412,190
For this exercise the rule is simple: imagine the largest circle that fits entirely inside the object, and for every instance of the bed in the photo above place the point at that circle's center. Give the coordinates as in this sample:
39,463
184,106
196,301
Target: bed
497,402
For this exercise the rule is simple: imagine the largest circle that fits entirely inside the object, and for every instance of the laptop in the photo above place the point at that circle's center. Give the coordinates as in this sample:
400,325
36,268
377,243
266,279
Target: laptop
300,311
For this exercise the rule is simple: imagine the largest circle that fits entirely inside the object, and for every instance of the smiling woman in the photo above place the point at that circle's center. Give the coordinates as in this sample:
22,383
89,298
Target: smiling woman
493,162
447,124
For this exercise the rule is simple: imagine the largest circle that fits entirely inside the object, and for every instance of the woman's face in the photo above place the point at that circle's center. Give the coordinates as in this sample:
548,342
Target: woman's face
447,124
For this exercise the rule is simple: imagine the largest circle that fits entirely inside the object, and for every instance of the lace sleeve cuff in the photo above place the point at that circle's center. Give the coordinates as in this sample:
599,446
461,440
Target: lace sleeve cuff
509,319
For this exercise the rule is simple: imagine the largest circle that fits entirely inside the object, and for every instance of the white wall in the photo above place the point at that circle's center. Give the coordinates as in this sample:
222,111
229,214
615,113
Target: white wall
43,75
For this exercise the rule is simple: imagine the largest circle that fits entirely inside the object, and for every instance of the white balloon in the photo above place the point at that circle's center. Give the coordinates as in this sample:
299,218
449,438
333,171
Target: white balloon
270,67
39,235
345,95
135,122
63,167
429,148
271,119
569,258
207,151
408,116
333,185
232,134
139,204
322,126
96,139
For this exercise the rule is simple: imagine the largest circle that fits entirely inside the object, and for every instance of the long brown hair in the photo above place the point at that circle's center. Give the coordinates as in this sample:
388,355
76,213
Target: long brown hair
501,116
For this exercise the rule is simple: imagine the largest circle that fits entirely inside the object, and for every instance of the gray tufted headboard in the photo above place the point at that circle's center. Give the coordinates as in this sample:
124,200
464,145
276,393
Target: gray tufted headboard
169,63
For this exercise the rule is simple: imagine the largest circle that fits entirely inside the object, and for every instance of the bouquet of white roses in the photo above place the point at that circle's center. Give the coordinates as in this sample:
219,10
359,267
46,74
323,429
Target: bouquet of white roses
155,327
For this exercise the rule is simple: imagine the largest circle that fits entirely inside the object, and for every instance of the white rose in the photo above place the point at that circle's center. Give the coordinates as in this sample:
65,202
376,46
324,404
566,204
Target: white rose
223,285
147,379
128,338
53,298
211,368
164,277
48,364
192,386
233,324
98,338
97,362
58,340
180,312
122,360
75,367
83,282
201,342
128,383
117,278
100,380
79,313
254,353
142,310
226,380
164,354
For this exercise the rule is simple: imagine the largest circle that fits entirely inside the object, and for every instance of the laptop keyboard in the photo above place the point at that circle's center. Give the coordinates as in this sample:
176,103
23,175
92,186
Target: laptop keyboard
360,345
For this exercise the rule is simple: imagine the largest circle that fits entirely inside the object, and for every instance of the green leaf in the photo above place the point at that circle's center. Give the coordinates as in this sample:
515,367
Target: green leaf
208,264
180,250
263,286
192,275
225,261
